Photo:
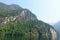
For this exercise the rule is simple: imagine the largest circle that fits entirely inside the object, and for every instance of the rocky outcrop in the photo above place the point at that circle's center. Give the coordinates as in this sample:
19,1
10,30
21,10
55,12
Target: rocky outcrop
54,34
26,15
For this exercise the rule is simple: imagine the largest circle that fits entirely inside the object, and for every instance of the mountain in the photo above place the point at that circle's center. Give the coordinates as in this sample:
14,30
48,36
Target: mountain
17,23
57,27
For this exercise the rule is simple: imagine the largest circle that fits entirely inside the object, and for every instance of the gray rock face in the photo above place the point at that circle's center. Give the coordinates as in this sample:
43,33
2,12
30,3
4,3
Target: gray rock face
26,15
54,34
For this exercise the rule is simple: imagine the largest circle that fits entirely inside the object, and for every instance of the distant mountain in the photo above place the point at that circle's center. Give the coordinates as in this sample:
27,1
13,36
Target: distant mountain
17,23
57,27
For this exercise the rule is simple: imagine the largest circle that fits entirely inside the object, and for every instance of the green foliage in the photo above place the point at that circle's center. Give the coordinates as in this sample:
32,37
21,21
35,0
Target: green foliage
22,31
8,13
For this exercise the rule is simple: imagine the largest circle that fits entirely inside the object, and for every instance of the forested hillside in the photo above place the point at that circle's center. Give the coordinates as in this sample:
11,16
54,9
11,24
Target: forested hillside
17,23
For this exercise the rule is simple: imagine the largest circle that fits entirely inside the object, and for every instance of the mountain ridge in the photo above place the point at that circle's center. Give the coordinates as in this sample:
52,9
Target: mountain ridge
21,24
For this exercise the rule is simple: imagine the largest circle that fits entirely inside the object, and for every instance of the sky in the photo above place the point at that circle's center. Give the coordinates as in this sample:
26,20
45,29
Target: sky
45,10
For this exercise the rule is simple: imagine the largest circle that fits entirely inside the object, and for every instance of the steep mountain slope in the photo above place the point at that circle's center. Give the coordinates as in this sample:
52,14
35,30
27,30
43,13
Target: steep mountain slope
57,27
17,23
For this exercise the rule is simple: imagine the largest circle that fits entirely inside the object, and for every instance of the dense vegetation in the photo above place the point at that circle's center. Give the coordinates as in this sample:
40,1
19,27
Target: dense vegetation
24,31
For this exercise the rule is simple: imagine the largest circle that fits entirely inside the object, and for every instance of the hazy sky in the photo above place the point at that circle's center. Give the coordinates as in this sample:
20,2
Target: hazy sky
45,10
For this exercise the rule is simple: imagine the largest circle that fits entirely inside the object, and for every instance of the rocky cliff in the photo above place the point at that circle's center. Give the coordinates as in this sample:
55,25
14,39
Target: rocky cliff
17,23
